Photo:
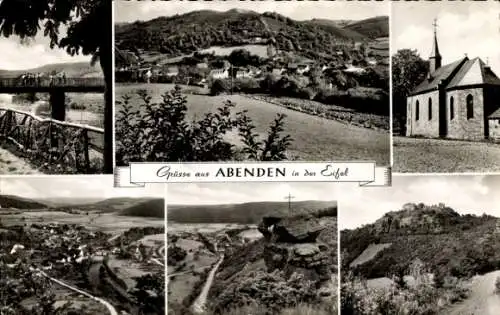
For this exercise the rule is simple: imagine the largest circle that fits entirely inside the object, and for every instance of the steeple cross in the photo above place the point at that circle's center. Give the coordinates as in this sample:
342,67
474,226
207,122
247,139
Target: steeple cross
289,197
435,25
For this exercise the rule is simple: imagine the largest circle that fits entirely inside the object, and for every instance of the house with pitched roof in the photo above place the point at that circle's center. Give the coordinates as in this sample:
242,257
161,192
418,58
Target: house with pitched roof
455,101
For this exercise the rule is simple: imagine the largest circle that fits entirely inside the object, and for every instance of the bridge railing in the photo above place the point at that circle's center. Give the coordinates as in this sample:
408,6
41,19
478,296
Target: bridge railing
54,146
46,82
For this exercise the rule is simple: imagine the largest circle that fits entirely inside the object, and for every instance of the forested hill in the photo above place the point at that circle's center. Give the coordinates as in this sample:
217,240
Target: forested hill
246,213
187,33
448,243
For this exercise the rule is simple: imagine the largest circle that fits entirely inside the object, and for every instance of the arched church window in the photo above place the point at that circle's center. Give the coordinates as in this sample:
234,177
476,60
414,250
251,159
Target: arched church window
417,110
470,106
452,108
430,108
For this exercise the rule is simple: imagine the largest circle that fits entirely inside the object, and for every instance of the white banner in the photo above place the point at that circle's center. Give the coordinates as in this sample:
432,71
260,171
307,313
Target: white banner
364,173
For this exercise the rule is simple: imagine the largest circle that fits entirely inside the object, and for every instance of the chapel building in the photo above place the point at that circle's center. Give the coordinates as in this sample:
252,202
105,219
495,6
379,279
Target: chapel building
460,100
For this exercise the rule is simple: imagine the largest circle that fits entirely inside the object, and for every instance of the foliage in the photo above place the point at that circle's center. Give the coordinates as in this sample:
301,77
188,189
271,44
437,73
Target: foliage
149,293
438,236
175,255
187,33
219,87
160,132
408,70
357,298
270,289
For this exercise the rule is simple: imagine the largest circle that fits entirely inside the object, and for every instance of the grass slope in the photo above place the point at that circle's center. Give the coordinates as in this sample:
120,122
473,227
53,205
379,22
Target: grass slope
314,138
246,213
8,201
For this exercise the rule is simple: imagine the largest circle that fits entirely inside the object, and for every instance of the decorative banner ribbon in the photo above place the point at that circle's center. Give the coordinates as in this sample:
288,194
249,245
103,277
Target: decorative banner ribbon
364,173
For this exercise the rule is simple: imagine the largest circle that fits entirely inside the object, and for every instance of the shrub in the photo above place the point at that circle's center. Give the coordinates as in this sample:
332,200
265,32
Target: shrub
161,132
219,87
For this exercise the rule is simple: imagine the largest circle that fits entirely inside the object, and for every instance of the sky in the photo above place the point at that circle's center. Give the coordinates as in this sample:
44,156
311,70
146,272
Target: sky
15,55
131,11
464,27
225,193
465,194
95,187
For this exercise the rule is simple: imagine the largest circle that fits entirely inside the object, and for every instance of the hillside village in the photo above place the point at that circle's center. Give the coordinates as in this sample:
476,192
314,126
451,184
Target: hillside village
261,45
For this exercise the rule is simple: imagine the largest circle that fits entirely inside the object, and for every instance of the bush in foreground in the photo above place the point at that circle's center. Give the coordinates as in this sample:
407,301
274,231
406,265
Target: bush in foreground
161,132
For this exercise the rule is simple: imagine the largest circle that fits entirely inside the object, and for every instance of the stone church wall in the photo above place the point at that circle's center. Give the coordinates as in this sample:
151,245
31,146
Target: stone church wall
461,127
494,129
423,126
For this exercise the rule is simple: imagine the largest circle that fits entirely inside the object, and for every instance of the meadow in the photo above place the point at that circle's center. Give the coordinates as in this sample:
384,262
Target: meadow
415,155
108,223
314,138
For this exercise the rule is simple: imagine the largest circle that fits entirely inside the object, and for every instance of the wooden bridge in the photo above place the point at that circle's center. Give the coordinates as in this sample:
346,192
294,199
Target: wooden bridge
52,145
46,85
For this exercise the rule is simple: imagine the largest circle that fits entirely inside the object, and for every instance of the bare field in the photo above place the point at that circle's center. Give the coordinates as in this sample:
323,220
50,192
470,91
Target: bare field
314,138
414,155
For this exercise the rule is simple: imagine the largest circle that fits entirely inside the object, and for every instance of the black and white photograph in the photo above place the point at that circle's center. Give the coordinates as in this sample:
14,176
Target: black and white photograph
426,245
252,248
446,86
76,245
240,81
56,109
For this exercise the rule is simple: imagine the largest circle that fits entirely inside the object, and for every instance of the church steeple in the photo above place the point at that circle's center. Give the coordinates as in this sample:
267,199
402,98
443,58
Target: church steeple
435,58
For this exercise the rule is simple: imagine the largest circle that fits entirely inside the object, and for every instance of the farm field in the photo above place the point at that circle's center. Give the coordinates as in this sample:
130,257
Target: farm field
412,155
314,138
108,223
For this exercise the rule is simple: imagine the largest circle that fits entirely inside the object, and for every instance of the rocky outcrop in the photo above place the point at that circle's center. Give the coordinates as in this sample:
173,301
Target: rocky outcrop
299,229
308,259
292,247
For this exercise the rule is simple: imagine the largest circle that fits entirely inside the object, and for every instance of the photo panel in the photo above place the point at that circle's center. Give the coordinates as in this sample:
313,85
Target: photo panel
446,86
76,245
252,248
56,113
234,81
426,245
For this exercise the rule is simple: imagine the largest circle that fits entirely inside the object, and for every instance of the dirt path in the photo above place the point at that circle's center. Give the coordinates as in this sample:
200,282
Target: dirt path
483,299
110,307
199,304
11,164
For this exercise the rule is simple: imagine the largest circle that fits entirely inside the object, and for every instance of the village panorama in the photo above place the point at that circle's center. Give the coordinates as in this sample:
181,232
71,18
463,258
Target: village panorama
221,82
91,252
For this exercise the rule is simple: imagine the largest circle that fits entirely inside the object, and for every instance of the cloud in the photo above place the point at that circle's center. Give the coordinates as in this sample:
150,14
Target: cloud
465,194
17,56
99,186
463,28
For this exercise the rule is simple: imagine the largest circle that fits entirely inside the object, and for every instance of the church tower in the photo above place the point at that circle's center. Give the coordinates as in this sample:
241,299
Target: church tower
435,58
